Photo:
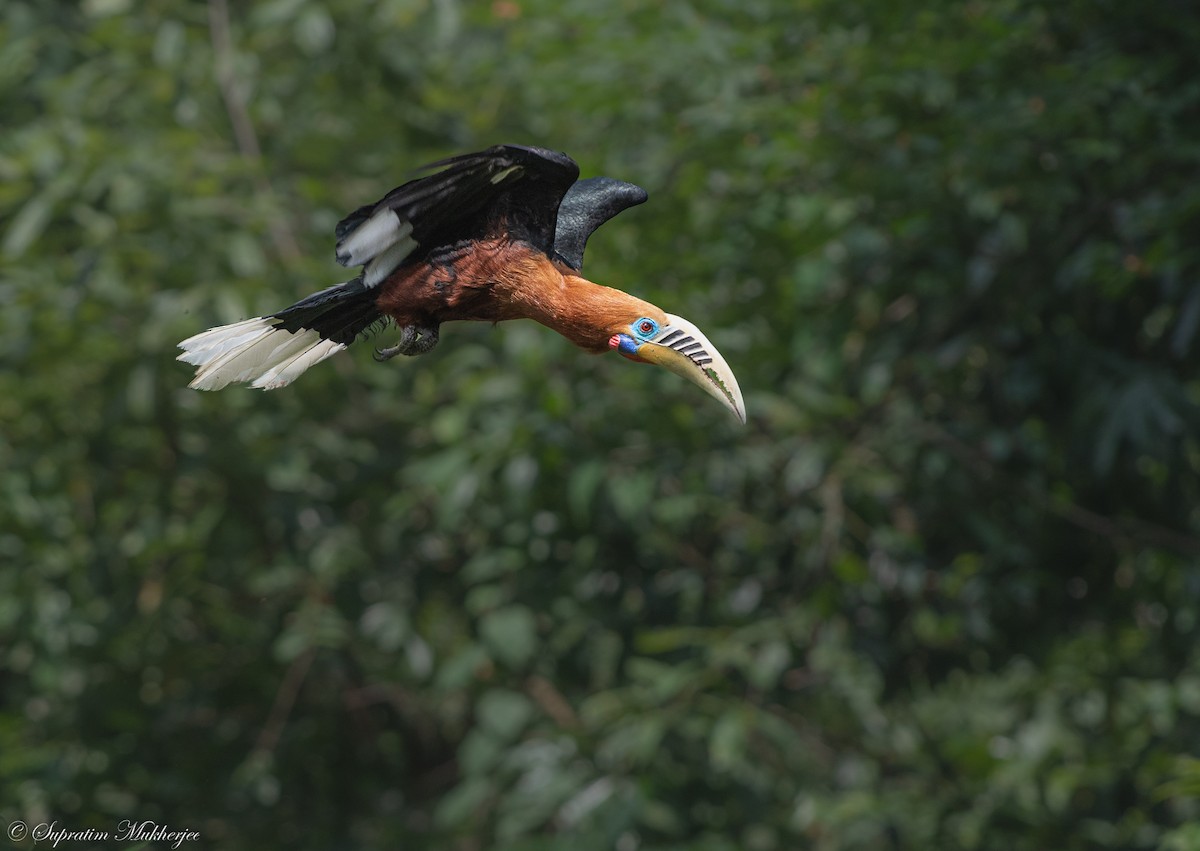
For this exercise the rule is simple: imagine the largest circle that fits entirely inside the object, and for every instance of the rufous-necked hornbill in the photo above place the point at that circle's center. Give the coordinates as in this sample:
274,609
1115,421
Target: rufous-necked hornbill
493,235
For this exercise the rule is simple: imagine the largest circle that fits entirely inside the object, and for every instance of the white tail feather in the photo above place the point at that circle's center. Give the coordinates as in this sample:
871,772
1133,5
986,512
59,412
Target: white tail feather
255,350
214,342
285,373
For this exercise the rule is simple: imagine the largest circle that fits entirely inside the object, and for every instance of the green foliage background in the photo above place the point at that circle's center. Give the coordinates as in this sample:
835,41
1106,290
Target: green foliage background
941,592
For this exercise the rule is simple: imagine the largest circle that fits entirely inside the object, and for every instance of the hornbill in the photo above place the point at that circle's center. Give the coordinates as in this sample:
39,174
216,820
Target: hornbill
494,235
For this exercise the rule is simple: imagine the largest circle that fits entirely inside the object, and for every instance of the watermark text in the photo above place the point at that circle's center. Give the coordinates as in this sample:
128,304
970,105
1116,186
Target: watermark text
53,834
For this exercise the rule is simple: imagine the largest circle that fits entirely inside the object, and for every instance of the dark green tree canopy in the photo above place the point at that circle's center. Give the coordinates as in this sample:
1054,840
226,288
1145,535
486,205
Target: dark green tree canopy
941,592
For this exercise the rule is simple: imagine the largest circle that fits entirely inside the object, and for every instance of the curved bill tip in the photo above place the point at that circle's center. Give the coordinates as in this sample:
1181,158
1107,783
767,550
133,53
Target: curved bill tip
682,348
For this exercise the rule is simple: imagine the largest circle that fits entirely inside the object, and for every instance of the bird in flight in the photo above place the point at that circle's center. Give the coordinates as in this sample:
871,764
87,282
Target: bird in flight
490,236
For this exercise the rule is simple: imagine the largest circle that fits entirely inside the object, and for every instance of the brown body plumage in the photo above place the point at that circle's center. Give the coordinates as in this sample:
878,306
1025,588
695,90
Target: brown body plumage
497,279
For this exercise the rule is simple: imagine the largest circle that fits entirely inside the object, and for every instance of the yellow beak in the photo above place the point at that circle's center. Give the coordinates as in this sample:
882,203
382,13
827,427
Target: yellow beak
682,348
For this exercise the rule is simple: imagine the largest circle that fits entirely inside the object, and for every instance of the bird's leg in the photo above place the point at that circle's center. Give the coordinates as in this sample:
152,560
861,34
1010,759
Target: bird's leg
408,335
429,339
410,343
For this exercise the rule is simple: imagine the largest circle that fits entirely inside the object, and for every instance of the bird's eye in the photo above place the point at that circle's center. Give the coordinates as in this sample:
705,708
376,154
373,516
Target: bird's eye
646,327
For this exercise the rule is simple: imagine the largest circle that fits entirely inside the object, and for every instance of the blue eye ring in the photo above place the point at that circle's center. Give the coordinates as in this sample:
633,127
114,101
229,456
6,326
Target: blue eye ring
645,327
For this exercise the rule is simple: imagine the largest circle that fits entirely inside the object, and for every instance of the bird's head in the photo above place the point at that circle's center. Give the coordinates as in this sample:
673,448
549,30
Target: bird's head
673,342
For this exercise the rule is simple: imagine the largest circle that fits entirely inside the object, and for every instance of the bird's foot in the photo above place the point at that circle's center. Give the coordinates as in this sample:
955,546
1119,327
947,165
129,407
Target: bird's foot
414,340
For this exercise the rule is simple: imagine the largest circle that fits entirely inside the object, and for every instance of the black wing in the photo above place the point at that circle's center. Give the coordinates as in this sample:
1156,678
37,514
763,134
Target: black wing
507,187
587,205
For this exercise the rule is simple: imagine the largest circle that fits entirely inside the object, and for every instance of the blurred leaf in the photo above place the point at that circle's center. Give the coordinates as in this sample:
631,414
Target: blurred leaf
510,633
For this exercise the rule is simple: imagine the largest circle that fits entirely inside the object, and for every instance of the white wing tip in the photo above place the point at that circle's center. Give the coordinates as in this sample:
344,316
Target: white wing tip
373,237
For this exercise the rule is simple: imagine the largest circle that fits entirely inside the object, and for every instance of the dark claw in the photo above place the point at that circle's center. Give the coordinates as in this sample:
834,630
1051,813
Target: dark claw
407,336
410,344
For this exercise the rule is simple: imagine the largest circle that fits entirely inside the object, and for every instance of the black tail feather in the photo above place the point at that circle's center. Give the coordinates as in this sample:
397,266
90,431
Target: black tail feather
339,313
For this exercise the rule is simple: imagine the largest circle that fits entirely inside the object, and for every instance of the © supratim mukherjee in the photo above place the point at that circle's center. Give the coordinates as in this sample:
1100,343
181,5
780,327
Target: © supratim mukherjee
127,831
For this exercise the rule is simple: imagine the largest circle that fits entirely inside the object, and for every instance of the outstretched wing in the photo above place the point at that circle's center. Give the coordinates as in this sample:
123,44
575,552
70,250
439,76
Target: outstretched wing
510,188
587,205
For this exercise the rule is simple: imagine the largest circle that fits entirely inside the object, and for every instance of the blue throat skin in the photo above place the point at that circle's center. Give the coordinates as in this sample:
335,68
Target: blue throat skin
627,345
